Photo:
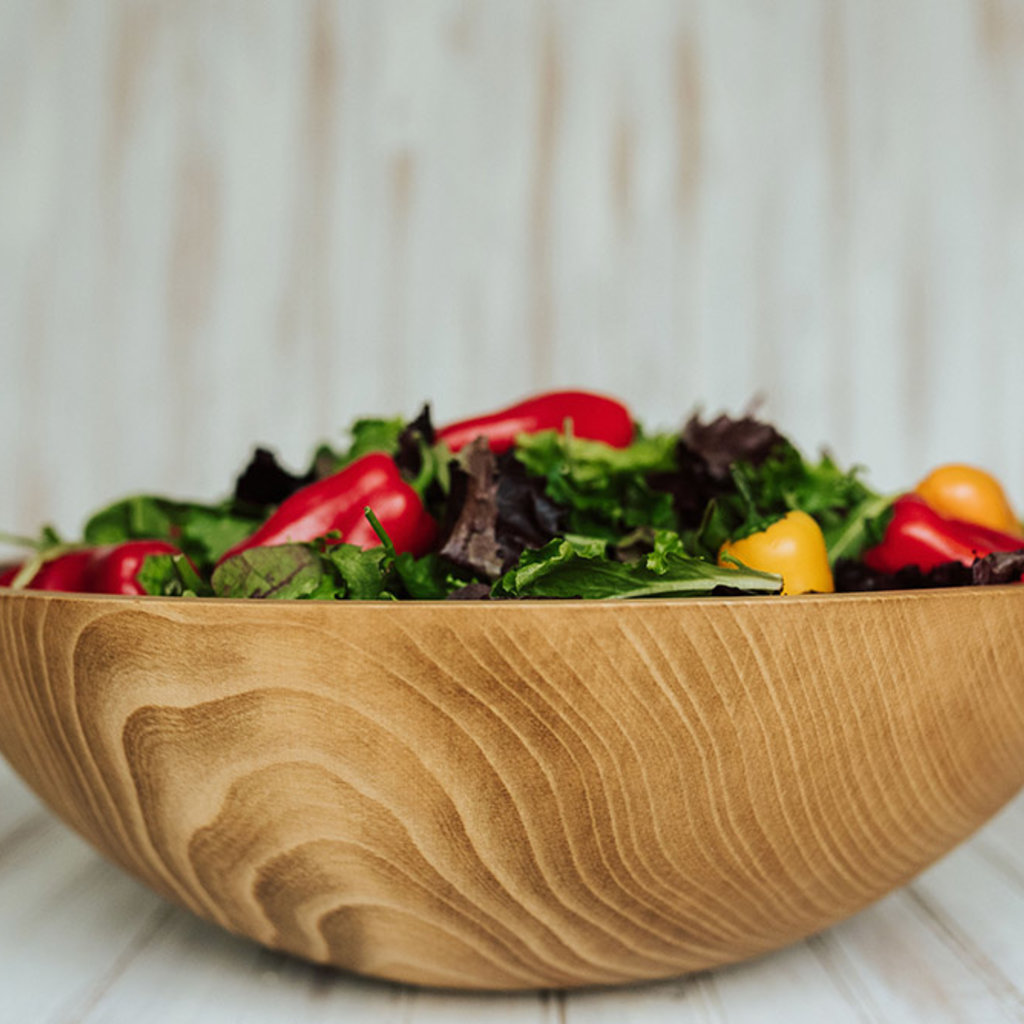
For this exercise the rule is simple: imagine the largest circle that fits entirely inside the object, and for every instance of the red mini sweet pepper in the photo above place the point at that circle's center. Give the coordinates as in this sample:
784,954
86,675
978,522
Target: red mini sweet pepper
337,504
112,569
918,535
65,572
590,416
115,569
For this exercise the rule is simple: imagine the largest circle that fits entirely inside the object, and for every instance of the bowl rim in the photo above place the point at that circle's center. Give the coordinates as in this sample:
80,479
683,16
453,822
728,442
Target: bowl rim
854,597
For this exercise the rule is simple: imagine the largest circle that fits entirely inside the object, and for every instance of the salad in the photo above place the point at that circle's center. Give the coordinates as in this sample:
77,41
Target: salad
563,495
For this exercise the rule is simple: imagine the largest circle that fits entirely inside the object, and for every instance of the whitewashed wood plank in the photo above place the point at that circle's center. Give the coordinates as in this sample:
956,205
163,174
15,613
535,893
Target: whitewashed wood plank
980,911
793,985
686,1001
16,801
1002,842
906,968
67,920
226,978
809,985
512,1008
193,973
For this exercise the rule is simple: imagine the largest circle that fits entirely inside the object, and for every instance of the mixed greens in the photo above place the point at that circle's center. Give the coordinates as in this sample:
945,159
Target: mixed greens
510,507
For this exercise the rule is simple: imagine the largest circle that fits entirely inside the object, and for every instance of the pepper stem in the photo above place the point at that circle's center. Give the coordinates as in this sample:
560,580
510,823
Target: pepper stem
48,540
18,541
28,572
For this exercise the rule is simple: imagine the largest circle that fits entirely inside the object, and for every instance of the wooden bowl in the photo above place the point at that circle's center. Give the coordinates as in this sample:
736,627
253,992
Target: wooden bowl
519,794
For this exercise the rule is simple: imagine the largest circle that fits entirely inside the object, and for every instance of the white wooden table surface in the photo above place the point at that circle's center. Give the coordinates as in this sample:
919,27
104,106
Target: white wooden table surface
82,943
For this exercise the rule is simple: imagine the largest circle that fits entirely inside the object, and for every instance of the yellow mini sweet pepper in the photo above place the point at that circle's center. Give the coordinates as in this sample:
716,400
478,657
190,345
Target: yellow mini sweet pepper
959,491
793,547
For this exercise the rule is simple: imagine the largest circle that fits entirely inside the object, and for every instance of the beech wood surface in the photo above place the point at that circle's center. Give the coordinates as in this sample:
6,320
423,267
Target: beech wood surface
520,795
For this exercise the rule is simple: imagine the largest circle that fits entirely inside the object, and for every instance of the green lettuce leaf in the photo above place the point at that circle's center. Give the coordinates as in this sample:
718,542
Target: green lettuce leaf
428,578
203,532
851,515
172,576
285,571
604,489
372,435
330,572
358,574
579,567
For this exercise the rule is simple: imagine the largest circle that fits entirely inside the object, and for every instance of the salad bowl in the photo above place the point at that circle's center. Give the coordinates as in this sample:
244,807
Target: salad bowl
519,794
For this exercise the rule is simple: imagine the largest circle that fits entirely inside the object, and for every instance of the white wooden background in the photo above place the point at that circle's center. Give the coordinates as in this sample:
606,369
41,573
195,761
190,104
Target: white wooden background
234,221
230,221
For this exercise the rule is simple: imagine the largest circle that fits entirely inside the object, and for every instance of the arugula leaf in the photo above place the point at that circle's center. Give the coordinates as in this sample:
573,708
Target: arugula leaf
579,567
360,572
369,434
850,514
604,489
139,517
863,528
786,481
172,576
372,435
665,545
204,532
424,579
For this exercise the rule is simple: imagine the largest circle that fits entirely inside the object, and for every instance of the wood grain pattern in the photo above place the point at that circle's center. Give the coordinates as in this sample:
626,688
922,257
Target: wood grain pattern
523,795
